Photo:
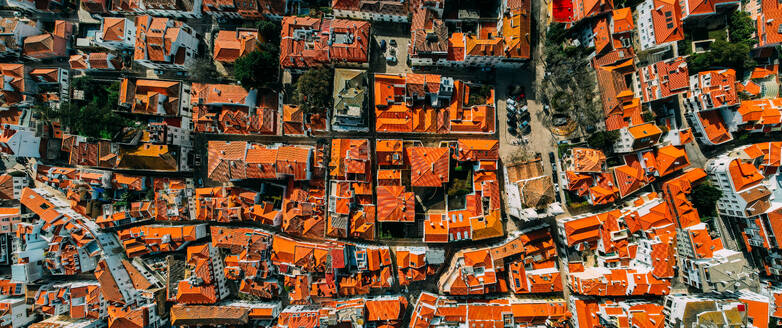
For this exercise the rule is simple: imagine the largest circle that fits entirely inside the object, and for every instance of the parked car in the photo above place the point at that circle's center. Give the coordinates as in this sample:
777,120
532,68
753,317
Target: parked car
525,127
524,116
383,45
512,130
391,59
392,42
552,158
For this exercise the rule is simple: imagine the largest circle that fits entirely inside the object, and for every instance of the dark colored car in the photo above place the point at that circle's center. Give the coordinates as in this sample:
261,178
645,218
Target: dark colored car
383,45
551,157
525,127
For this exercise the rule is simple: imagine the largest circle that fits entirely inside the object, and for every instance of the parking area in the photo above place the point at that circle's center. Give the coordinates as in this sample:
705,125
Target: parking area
381,64
390,41
538,139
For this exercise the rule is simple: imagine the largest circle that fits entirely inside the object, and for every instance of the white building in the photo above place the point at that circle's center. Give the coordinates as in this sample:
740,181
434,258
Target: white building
657,37
745,191
19,141
637,137
164,8
726,271
688,310
15,313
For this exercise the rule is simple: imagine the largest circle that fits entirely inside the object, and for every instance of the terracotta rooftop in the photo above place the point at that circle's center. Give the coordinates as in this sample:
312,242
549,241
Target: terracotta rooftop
230,45
308,42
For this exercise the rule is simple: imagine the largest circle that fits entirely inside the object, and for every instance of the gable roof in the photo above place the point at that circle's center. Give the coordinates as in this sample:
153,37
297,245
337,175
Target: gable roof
230,45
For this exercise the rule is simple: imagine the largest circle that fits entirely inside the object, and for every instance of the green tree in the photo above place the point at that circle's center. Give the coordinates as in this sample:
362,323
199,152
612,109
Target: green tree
259,69
721,54
647,116
314,90
269,31
705,197
603,140
741,28
94,116
556,34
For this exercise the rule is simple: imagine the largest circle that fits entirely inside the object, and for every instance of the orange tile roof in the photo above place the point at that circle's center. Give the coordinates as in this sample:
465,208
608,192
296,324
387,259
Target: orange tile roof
395,205
666,19
676,191
588,8
151,97
623,20
516,28
670,159
150,238
744,175
629,179
243,160
392,309
430,166
350,159
196,315
230,45
477,149
767,23
714,126
587,160
583,230
394,113
664,79
705,7
113,28
322,46
761,111
648,130
715,89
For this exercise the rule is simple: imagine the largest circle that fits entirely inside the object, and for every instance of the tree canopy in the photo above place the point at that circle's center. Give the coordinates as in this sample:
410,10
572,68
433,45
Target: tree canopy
92,117
314,90
705,199
269,32
742,28
603,140
567,73
260,68
722,54
733,54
